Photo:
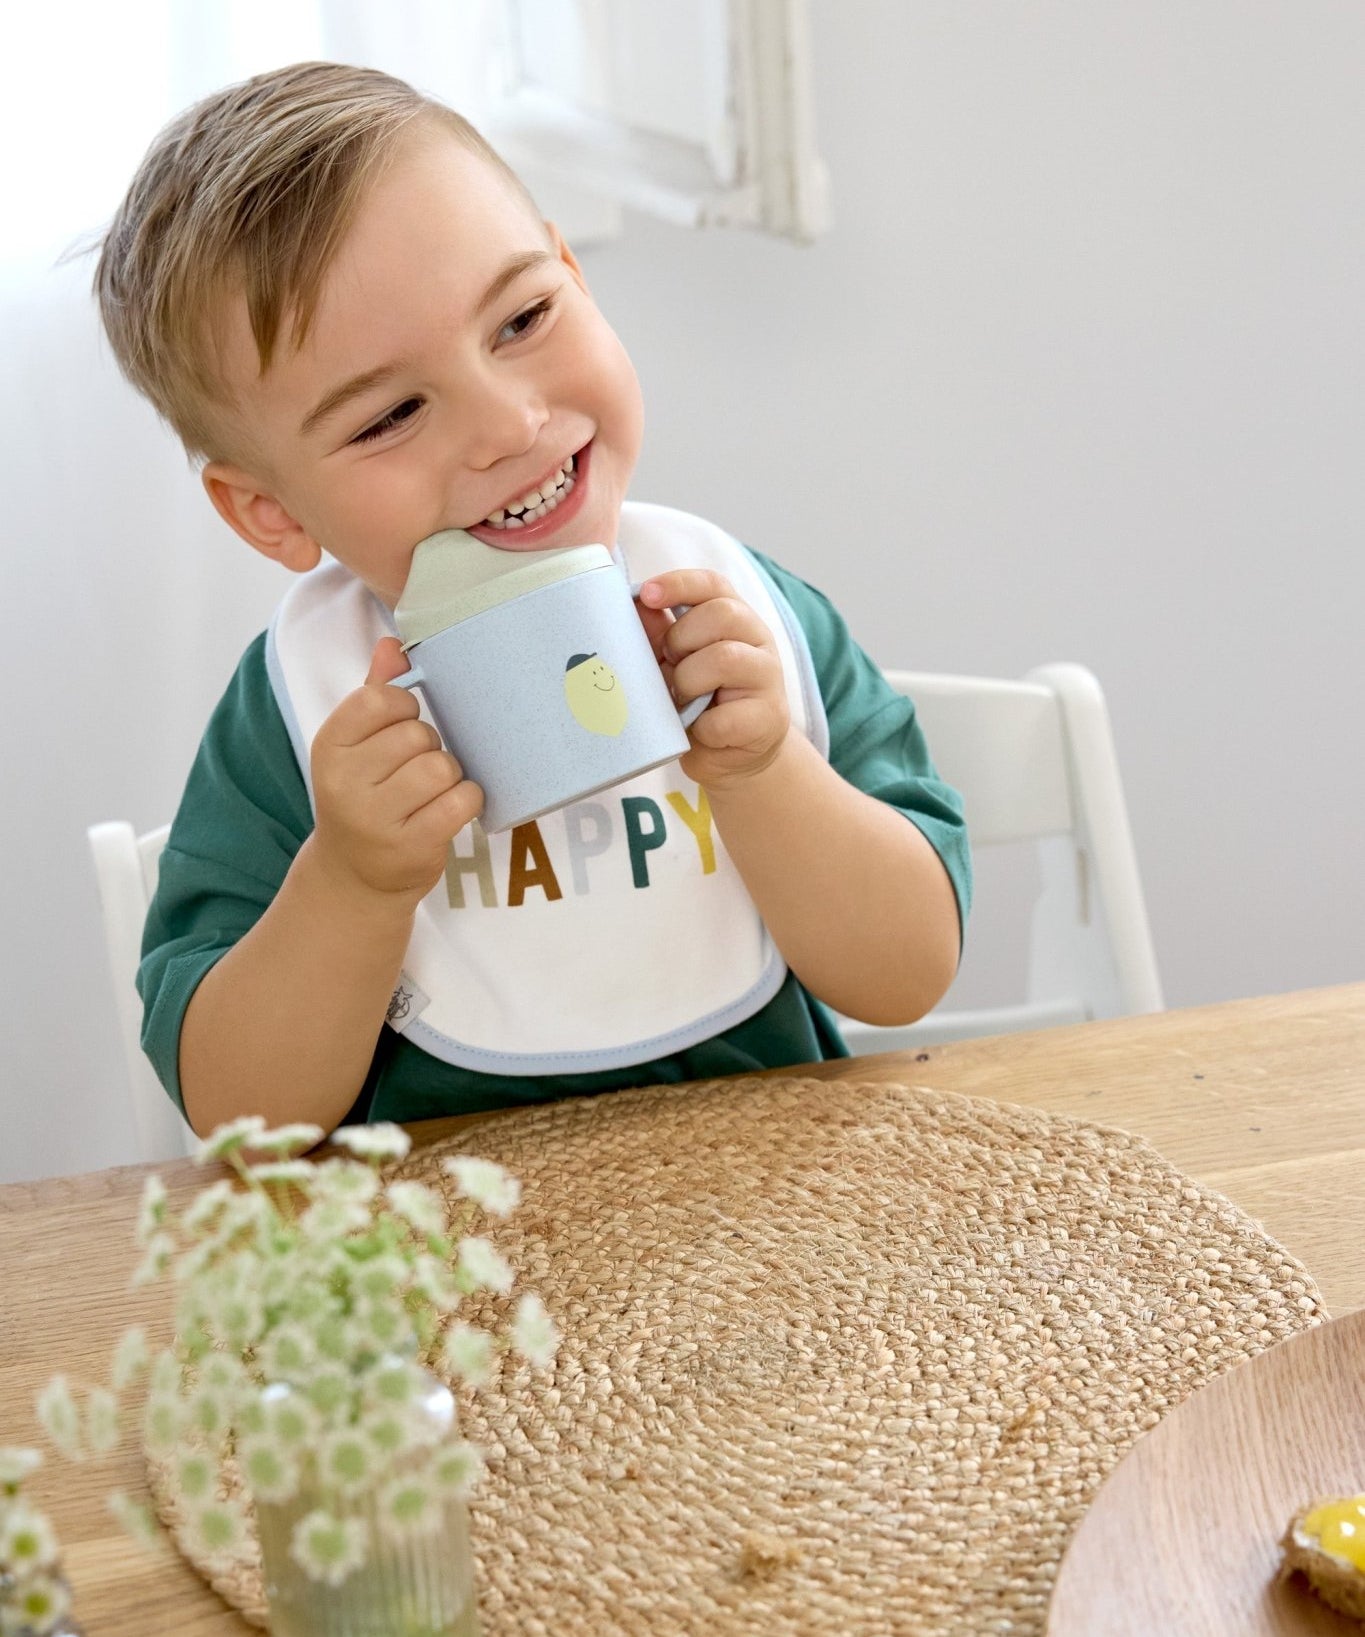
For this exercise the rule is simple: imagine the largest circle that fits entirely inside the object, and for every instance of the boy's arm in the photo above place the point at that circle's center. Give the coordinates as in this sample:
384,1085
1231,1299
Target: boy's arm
285,1023
854,895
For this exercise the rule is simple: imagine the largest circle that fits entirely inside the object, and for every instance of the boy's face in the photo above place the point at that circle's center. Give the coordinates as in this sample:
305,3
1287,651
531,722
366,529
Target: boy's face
455,364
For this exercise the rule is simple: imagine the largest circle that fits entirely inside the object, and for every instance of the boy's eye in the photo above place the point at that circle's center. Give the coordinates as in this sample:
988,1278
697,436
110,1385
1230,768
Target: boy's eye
386,423
525,321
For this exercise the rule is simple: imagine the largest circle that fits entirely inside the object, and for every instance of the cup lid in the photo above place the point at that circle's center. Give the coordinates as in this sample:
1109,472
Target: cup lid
454,576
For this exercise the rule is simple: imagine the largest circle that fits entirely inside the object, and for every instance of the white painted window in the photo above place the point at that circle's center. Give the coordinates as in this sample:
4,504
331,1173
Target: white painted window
697,111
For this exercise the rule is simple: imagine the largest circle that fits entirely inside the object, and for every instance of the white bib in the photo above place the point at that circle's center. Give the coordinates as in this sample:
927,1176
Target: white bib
612,932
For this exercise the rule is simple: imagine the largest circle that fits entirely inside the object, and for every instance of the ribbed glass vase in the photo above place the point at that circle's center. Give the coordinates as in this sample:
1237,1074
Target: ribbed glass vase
422,1586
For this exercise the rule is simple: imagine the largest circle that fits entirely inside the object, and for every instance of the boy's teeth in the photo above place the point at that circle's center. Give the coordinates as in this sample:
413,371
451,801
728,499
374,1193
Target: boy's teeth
535,504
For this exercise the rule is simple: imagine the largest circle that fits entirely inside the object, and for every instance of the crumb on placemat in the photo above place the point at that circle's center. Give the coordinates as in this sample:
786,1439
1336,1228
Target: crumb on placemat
762,1554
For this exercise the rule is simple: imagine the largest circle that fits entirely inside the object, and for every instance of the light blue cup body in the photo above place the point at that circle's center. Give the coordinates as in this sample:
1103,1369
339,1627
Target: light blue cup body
550,696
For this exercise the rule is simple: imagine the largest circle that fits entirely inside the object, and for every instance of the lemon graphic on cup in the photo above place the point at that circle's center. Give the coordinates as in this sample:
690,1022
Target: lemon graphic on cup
595,694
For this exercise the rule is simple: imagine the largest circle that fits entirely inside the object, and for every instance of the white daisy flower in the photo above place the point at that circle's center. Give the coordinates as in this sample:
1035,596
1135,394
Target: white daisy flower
244,1213
328,1548
382,1141
346,1179
101,1421
208,1412
229,1139
394,1384
202,1209
335,1338
286,1140
196,1261
271,1472
224,1374
533,1331
166,1373
196,1474
155,1261
163,1423
131,1358
468,1353
59,1418
41,1603
480,1266
390,1431
456,1468
16,1465
240,1316
329,1389
331,1219
434,1280
386,1324
218,1529
282,1171
408,1506
151,1211
136,1521
291,1419
28,1541
347,1462
287,1353
423,1207
378,1277
485,1182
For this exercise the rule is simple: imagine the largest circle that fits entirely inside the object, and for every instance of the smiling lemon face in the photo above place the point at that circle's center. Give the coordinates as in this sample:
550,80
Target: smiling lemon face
595,694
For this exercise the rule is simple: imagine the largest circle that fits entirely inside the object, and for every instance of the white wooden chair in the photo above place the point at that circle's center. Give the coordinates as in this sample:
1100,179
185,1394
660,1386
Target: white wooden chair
1034,762
126,870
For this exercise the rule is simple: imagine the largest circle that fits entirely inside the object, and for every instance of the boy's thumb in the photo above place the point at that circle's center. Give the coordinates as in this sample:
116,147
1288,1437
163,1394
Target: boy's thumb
387,661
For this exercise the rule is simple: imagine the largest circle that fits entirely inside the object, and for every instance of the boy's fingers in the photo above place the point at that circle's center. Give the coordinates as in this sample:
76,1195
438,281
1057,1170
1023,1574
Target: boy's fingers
684,585
722,619
656,622
387,661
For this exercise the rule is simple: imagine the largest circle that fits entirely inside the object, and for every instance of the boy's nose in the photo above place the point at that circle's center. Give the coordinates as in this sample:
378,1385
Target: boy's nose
504,420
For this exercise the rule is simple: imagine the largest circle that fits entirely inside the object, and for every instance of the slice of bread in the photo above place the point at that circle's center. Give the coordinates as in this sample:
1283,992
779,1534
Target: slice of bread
1338,1582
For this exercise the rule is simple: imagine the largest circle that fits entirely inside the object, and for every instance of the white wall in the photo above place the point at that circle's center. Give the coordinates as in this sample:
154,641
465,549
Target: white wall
1076,375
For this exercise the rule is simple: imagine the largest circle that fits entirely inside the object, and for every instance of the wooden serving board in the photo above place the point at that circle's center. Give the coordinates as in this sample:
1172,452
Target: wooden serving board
1183,1536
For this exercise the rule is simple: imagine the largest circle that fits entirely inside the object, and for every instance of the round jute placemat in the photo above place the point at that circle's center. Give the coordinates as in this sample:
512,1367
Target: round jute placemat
837,1358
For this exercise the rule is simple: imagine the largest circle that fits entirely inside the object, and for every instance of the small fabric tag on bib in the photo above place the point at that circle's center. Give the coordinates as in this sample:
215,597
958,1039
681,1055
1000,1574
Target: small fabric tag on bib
406,1005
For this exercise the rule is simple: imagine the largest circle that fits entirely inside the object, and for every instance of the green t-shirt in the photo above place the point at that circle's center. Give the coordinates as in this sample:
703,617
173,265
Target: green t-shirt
245,814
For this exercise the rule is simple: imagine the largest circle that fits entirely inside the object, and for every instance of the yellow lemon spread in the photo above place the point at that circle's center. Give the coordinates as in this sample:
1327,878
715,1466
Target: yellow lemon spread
1339,1528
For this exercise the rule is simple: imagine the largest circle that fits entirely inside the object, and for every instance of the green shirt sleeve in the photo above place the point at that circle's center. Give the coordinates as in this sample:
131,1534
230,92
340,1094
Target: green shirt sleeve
875,740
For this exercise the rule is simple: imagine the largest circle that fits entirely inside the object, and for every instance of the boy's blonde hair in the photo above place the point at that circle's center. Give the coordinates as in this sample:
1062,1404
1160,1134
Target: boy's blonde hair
249,191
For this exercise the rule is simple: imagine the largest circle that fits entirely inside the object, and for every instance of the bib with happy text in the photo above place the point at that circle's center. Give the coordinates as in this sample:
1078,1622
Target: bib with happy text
614,931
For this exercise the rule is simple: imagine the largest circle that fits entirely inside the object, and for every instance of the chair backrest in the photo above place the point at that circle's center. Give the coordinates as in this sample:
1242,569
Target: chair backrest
126,869
1034,762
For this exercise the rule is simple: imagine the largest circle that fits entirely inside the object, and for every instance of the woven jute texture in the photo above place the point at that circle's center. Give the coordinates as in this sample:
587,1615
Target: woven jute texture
837,1358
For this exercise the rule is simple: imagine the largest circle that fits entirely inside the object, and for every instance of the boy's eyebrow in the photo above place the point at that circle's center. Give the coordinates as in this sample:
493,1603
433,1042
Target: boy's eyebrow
511,270
339,396
330,402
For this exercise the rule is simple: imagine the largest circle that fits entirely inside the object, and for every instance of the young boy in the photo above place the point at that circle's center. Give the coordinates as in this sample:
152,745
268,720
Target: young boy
348,307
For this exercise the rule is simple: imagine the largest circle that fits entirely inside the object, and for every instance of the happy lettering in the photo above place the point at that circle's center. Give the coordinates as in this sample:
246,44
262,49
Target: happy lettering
570,852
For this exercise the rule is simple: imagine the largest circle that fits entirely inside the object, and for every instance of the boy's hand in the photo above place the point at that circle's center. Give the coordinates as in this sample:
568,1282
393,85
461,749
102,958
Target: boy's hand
389,799
719,643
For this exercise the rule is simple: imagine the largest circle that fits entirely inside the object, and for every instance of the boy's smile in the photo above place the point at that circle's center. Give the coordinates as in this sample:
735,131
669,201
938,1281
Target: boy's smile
456,374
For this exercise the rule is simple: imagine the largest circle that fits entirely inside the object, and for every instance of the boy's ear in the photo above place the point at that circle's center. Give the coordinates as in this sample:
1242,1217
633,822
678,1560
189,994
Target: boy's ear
259,518
565,254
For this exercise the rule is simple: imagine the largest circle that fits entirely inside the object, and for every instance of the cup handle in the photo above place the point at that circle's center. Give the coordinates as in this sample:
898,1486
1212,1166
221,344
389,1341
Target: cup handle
411,678
688,713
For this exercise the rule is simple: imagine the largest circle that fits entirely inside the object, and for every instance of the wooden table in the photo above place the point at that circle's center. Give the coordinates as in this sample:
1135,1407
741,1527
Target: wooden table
1262,1099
